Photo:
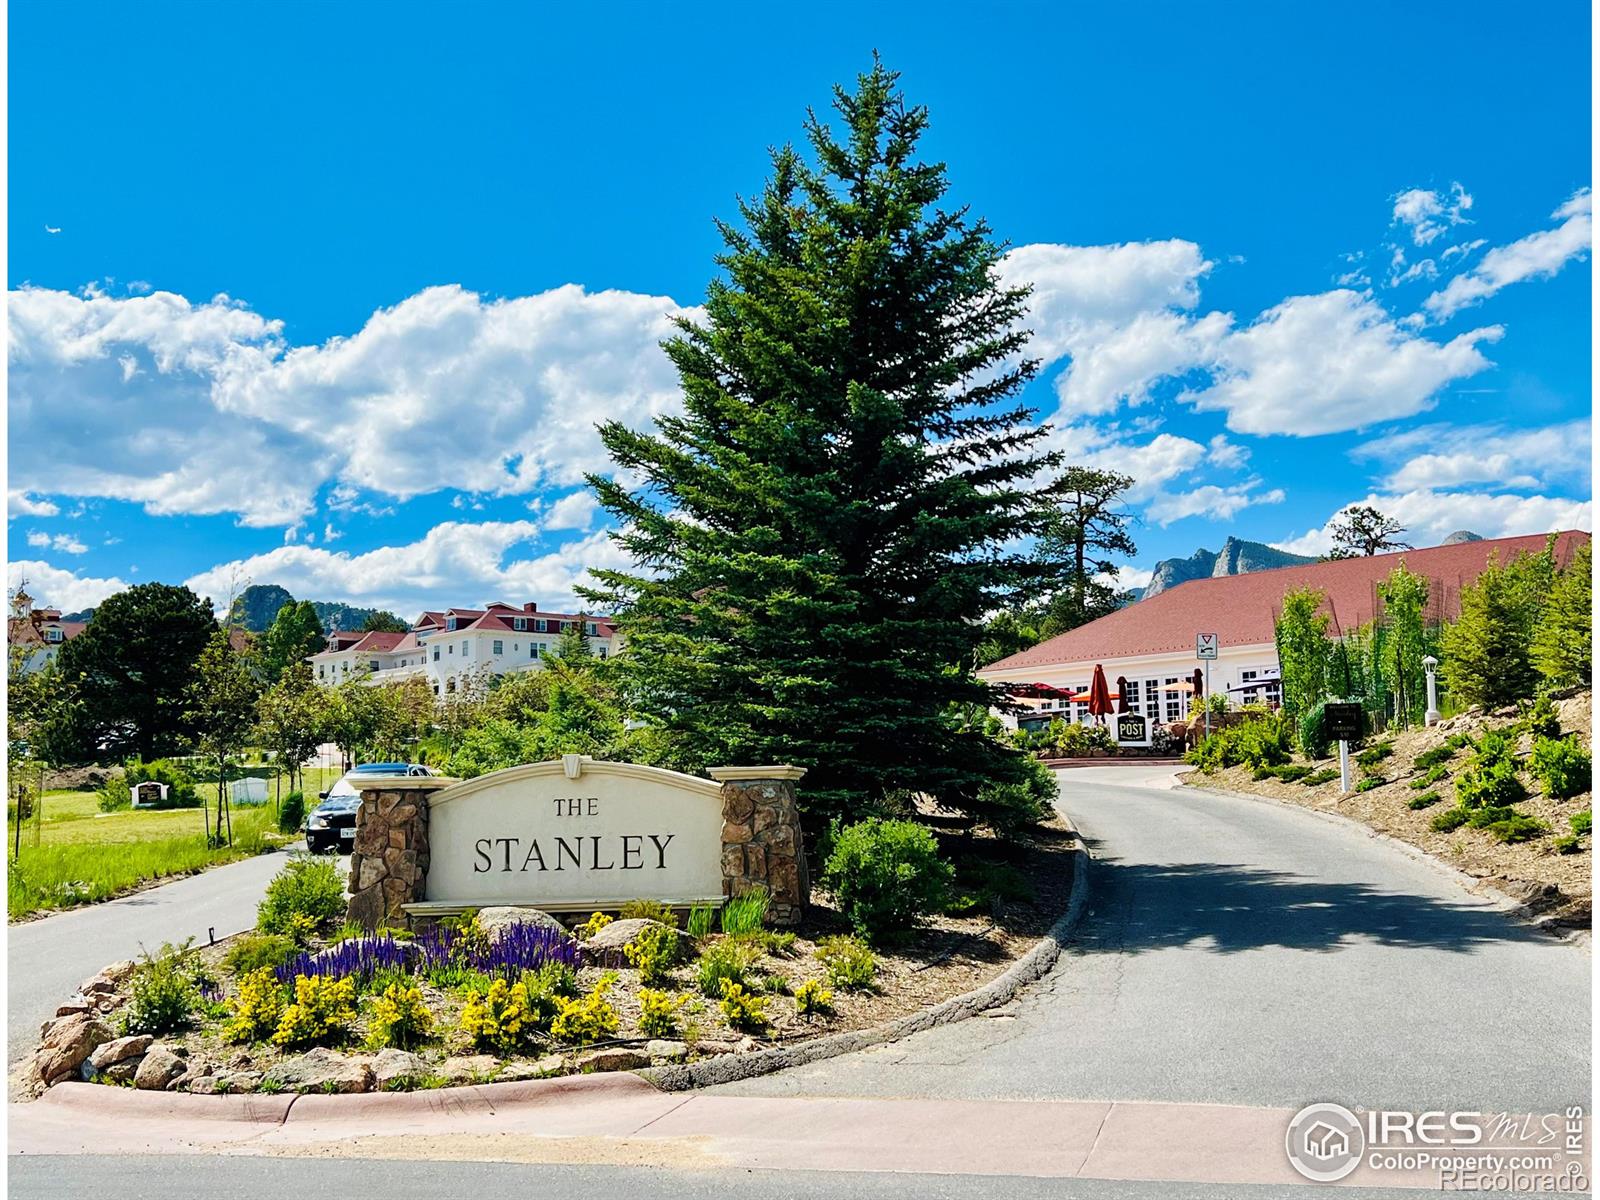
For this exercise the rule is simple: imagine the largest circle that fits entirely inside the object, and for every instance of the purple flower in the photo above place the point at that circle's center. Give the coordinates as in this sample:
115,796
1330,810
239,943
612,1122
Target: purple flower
358,957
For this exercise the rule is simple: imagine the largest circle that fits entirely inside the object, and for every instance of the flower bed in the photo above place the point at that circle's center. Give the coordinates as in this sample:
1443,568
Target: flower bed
512,994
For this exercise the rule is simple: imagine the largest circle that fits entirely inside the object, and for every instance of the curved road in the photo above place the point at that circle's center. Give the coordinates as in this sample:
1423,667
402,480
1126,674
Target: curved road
1240,952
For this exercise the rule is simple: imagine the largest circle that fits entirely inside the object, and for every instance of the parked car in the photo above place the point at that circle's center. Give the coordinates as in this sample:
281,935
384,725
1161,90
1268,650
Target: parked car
331,826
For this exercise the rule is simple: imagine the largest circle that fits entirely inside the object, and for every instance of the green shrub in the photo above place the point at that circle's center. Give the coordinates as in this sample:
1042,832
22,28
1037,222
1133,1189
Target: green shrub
1288,772
848,963
165,991
1321,776
309,888
1313,731
886,874
1581,822
1367,782
1426,800
1451,818
742,1009
1490,781
400,1018
254,1014
722,962
1570,844
653,952
589,1018
1009,808
1373,755
292,813
650,910
1265,740
658,1013
1561,766
702,917
812,999
115,795
596,922
181,791
1434,775
743,915
1517,828
1482,818
505,1017
252,951
1540,718
323,1010
1436,757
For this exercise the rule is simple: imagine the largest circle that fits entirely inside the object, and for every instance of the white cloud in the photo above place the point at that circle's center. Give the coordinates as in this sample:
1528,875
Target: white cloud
1210,500
575,511
454,563
1539,255
1332,362
1428,215
1223,453
204,409
64,542
1436,456
1431,516
20,504
59,588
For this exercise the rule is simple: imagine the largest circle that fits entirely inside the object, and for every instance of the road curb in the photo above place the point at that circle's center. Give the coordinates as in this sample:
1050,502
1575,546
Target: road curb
1032,966
1505,905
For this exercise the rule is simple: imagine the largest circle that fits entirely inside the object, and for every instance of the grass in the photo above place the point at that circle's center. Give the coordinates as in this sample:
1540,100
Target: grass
78,855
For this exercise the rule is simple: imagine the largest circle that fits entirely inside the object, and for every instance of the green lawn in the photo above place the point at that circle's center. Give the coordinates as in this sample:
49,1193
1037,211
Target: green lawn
80,855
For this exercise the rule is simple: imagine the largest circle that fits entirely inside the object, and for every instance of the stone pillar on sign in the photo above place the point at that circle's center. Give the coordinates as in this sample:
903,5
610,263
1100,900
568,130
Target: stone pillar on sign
762,845
389,856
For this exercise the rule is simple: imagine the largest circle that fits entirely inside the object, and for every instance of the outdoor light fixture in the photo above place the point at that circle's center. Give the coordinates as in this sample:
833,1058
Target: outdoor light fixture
1429,664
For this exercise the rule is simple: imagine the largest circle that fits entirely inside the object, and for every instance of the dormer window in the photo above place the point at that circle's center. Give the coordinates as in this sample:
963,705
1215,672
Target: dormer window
449,622
52,635
519,623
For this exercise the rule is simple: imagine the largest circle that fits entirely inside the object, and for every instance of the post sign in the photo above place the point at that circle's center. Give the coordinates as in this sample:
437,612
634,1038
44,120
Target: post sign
1132,730
1342,721
575,834
1205,645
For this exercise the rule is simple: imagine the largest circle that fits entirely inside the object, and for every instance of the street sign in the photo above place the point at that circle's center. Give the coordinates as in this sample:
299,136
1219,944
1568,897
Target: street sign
1342,722
1205,645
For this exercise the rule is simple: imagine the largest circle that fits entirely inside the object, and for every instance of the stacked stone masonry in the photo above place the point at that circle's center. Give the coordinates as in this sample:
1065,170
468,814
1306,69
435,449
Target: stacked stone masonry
762,846
389,859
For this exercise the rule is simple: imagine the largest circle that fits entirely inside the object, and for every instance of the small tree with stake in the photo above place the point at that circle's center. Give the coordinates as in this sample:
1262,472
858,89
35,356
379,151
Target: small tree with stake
221,705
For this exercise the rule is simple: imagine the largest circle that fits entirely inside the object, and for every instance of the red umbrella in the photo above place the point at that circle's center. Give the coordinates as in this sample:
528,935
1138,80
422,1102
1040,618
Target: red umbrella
1099,694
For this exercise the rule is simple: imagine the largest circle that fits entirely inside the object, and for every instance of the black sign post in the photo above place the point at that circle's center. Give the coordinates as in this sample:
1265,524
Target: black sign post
1343,721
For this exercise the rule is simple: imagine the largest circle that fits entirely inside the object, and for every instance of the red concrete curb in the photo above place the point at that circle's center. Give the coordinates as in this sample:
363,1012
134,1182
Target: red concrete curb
462,1101
129,1104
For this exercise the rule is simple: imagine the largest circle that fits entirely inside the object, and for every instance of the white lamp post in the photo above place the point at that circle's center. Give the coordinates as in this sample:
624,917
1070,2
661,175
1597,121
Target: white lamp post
1429,664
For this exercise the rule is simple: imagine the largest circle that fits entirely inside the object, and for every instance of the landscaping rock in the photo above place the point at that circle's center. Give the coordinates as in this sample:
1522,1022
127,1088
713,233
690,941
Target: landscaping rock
552,1064
606,945
197,1071
73,1005
206,1085
67,1042
469,1068
617,1058
322,1070
391,1065
233,1082
157,1069
124,1071
666,1051
709,1046
113,1052
496,920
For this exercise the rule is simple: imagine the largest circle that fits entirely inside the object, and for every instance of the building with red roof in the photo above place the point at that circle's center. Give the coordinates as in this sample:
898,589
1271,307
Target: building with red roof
444,647
1151,644
35,635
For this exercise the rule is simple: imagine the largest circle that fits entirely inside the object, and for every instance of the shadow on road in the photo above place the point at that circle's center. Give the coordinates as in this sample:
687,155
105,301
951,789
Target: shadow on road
1228,908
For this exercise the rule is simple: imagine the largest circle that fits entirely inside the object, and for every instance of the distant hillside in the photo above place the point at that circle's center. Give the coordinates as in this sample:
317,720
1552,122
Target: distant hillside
81,615
1237,557
1462,535
259,603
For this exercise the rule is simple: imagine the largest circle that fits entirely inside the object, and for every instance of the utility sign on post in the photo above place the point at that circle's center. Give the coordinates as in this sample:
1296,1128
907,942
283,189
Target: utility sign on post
1205,645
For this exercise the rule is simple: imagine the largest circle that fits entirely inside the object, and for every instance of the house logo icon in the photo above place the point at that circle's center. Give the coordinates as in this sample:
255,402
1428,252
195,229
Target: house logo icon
1324,1142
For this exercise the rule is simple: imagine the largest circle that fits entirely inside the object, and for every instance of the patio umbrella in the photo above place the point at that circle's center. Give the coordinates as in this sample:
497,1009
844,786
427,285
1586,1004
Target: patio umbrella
1122,694
1099,694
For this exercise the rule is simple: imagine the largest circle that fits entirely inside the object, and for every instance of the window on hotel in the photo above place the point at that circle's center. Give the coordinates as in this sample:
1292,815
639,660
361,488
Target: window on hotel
449,622
466,648
540,626
1152,699
536,649
436,654
593,629
499,647
374,664
519,623
601,651
1174,700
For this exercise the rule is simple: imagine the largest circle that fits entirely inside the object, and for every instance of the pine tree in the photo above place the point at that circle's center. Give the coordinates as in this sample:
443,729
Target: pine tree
1083,538
1563,643
821,533
1487,652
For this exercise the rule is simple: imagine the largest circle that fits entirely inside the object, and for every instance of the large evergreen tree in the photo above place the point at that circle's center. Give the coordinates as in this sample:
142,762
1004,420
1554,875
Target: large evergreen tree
1563,643
1085,536
821,533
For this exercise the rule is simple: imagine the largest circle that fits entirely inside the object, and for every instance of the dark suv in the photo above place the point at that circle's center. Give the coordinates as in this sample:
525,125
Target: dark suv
331,826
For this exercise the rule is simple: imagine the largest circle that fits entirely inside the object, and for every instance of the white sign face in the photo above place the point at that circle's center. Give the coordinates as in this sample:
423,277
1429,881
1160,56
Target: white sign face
1205,645
607,833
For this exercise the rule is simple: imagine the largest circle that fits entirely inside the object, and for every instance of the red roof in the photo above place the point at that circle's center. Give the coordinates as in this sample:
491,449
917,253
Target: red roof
1242,609
380,640
499,616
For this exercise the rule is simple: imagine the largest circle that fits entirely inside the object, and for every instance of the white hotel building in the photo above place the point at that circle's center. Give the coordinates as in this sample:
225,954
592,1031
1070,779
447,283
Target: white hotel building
443,647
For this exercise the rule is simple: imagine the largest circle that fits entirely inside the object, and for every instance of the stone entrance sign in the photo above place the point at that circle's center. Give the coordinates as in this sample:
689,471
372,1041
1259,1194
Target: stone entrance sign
574,835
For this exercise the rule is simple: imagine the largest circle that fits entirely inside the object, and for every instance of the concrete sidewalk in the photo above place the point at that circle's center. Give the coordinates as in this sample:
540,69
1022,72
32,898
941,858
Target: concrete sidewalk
622,1120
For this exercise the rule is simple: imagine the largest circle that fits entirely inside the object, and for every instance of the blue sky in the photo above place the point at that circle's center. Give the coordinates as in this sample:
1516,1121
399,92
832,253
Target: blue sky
332,298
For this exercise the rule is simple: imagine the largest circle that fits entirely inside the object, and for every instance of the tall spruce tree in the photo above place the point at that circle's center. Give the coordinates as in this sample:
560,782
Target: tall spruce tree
821,533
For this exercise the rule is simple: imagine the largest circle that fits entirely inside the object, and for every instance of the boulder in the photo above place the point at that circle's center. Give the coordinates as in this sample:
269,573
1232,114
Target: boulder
666,1051
551,1064
73,1005
206,1085
122,1048
124,1071
392,1066
606,945
709,1046
157,1069
615,1058
230,1082
499,918
67,1042
323,1070
469,1068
